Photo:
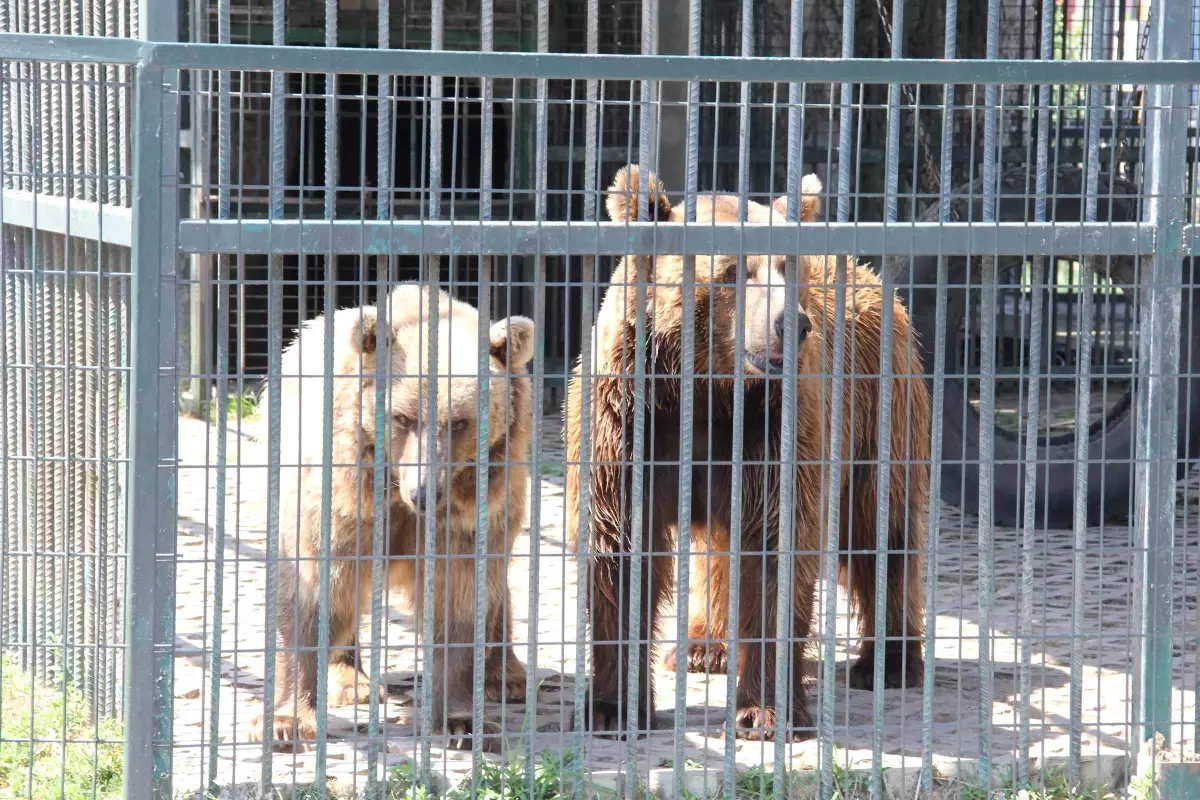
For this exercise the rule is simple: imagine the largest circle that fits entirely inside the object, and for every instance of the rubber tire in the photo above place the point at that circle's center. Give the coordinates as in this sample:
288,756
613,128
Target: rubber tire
1111,448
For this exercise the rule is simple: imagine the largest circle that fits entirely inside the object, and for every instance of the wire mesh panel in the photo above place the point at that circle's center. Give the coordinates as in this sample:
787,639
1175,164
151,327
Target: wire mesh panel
65,259
1020,652
65,294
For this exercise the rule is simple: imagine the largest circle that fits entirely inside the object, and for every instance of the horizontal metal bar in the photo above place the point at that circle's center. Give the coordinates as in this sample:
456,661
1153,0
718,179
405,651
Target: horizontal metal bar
71,217
70,49
679,68
576,238
44,47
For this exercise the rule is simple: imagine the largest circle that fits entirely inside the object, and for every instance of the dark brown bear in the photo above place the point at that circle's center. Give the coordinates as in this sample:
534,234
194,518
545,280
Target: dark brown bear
610,462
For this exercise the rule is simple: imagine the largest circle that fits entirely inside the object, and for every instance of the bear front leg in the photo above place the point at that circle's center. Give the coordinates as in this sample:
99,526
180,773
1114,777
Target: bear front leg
609,604
757,706
298,625
505,675
451,673
708,604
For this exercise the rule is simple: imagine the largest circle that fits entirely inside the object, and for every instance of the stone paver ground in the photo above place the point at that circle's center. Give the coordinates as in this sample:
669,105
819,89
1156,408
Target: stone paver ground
1106,649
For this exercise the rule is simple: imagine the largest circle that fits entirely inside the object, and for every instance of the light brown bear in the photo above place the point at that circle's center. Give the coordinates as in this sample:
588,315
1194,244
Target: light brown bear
398,352
611,462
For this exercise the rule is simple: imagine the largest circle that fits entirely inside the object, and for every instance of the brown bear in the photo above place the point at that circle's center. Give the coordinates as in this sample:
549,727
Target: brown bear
418,482
610,462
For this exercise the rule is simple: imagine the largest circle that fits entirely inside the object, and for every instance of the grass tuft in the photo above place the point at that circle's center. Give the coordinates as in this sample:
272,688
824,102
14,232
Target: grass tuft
48,747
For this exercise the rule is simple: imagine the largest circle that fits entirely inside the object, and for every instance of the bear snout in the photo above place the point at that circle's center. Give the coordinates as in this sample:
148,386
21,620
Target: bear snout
419,495
804,327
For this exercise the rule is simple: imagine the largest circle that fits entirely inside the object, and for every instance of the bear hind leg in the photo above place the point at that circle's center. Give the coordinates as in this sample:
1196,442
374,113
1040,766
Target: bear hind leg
904,665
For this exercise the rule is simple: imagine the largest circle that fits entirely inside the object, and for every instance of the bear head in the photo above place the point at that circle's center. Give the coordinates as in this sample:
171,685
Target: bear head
423,475
763,276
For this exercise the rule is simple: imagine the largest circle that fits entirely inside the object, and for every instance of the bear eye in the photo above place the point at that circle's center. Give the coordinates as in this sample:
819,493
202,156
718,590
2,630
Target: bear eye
459,426
404,422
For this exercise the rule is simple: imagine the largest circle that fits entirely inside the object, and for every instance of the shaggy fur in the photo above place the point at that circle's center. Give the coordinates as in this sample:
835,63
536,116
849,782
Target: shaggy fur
445,484
611,460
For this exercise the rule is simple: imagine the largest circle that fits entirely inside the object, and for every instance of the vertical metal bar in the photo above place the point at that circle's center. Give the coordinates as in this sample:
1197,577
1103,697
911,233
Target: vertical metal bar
1159,356
482,448
784,625
637,489
149,546
1029,499
586,359
686,399
383,381
330,304
1082,404
739,426
150,541
945,176
987,409
432,270
833,512
431,552
221,360
883,467
539,383
274,403
200,292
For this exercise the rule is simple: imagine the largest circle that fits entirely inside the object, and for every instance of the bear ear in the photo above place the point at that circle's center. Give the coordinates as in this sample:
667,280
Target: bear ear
365,332
810,199
622,200
512,341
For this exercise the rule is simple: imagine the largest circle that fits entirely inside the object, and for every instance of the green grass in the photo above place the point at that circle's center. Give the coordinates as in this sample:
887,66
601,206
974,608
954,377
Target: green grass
237,406
554,777
1049,785
49,749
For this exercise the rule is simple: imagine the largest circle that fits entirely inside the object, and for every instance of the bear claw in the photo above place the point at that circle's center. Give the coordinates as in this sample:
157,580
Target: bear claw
710,659
290,733
757,723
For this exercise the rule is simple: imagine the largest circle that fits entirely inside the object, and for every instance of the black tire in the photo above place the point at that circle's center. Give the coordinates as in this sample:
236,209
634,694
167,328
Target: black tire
1111,449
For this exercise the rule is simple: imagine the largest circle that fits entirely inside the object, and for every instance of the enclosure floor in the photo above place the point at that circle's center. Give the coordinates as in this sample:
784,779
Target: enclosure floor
223,755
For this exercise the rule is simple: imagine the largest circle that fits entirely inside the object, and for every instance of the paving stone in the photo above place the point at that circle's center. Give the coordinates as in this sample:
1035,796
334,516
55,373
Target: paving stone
1106,647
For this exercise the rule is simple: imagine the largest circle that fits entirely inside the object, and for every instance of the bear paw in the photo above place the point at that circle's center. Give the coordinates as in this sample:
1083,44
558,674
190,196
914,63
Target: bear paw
461,733
903,667
711,659
757,723
349,686
608,718
511,688
295,733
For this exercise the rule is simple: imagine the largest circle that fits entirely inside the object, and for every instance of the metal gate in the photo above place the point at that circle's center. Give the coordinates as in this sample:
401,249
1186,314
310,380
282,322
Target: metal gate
173,210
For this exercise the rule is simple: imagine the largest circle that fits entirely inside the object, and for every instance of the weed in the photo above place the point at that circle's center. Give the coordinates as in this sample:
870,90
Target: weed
402,784
973,792
1050,785
238,407
554,777
493,780
49,748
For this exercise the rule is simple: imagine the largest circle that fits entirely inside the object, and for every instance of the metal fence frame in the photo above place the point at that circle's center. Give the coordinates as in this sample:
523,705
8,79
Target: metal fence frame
159,237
